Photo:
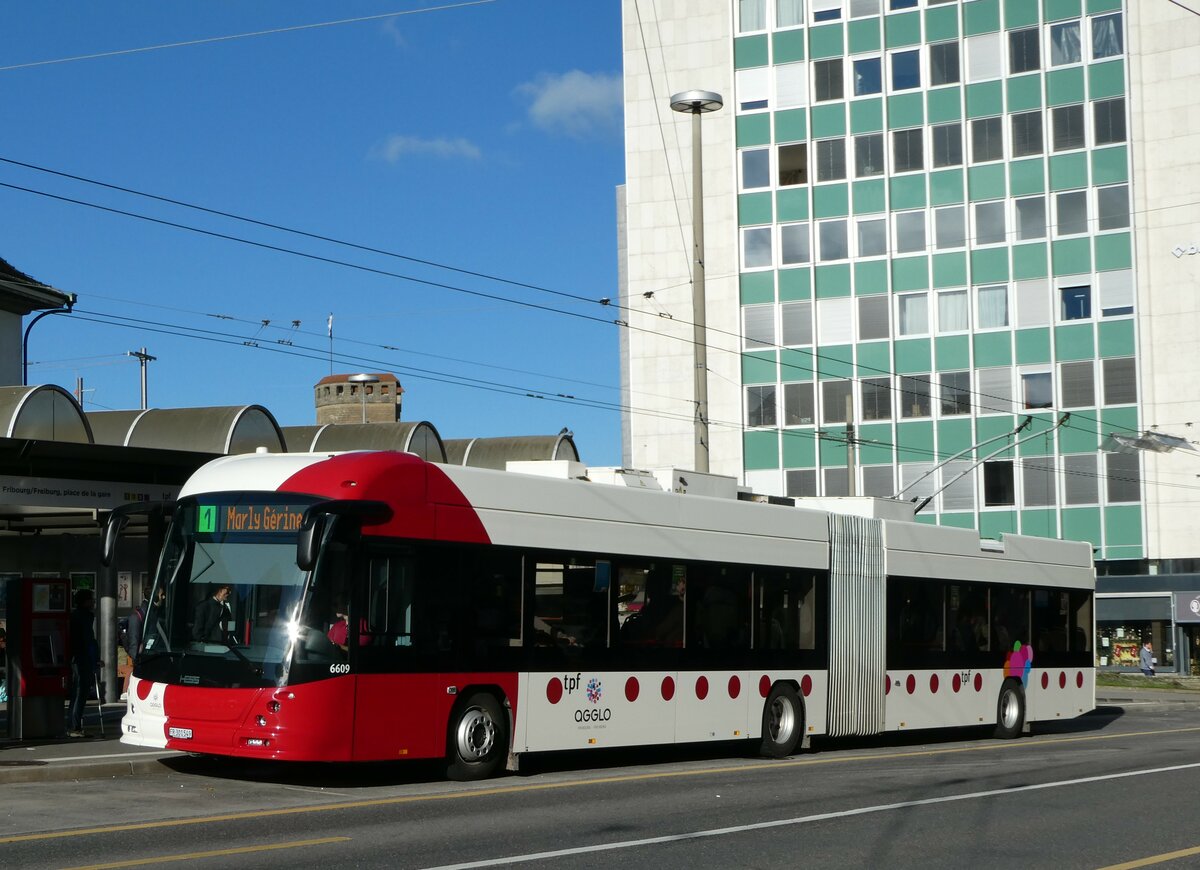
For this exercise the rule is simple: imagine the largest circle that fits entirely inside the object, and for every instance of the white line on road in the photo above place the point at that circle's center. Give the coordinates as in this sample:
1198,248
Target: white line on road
802,820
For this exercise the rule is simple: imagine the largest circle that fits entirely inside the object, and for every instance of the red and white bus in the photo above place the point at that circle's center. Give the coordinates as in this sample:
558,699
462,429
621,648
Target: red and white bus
383,607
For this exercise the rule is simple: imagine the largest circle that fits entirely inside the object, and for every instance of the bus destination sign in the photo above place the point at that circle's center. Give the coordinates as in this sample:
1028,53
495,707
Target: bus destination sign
252,518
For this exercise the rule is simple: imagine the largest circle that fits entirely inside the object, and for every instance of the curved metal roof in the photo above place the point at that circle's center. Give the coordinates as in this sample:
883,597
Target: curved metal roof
43,413
419,437
496,452
221,430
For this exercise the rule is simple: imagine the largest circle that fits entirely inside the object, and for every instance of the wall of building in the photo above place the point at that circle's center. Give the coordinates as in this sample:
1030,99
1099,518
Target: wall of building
10,349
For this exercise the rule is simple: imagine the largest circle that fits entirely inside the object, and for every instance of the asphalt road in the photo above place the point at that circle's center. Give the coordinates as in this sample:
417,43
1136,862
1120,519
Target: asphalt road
1095,792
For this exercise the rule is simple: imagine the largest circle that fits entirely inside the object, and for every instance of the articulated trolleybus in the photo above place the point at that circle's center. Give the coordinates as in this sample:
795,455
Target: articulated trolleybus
370,605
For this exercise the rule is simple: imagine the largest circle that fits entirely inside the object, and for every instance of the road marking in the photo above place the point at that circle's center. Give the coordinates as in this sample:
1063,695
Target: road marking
579,783
1155,859
192,856
803,820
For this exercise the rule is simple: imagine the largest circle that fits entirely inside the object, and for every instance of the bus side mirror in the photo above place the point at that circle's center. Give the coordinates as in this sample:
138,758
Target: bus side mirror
308,542
312,527
113,524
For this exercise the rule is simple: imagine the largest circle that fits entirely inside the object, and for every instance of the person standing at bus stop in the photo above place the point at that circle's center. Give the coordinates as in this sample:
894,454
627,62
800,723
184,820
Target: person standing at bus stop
85,658
1147,659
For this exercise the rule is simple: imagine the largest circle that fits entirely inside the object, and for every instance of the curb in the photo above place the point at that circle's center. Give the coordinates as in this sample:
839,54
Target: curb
51,771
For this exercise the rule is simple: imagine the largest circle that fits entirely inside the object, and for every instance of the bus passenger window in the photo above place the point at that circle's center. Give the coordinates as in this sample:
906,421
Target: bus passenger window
650,604
719,608
916,615
1081,620
388,617
1010,618
966,604
787,608
570,607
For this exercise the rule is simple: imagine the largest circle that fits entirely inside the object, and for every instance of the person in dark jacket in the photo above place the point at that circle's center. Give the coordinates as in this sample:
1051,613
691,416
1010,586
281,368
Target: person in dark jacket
85,658
208,622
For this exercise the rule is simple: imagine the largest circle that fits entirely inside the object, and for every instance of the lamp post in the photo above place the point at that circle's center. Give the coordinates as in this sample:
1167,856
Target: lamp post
362,381
143,358
66,309
697,103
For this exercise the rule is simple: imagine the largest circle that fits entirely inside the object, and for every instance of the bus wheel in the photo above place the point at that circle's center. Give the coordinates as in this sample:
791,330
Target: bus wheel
478,738
1010,710
783,722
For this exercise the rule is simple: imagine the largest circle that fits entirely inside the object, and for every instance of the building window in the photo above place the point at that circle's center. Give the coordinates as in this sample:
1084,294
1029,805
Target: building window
1076,303
906,70
1081,483
1123,475
1077,384
1031,218
908,150
1024,50
950,229
1108,39
943,64
868,155
789,13
831,160
983,57
1037,481
872,237
1065,44
827,80
878,481
1109,117
753,89
793,165
993,306
791,85
912,314
989,223
758,326
955,393
868,76
1033,303
756,248
760,406
1037,390
914,396
1027,134
1120,381
752,15
947,145
756,169
793,244
1068,128
796,323
832,236
873,317
834,397
952,311
801,482
877,399
835,321
987,140
1116,293
910,232
863,8
798,407
1072,212
995,394
826,10
958,493
1112,207
998,489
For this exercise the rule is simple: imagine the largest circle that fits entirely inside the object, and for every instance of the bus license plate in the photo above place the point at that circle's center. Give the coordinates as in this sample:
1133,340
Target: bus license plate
180,733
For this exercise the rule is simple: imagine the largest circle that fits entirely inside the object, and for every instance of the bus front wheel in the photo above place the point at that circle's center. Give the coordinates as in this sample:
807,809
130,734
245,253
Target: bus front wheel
1010,710
478,738
783,722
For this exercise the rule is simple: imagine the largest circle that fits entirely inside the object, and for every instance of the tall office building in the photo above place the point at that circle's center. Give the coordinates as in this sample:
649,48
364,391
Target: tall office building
925,222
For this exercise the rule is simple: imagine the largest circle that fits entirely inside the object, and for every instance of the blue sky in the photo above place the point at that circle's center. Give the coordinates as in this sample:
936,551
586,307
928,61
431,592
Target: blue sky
485,137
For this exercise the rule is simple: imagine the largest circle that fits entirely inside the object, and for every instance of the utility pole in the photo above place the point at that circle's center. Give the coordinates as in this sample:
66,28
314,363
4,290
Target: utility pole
143,358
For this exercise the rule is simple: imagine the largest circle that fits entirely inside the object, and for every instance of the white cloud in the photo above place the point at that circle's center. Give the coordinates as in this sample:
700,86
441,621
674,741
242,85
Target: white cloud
575,103
397,147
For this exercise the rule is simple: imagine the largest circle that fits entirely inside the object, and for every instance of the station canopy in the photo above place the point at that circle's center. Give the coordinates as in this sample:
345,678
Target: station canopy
43,413
420,438
230,429
496,452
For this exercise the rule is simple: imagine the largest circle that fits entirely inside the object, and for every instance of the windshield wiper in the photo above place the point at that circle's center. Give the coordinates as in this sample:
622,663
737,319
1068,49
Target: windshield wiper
233,648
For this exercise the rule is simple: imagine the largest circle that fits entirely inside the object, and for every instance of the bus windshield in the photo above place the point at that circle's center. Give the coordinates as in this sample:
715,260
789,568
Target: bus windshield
231,593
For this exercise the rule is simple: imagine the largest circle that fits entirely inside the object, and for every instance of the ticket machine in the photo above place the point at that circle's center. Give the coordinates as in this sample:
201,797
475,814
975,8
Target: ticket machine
39,660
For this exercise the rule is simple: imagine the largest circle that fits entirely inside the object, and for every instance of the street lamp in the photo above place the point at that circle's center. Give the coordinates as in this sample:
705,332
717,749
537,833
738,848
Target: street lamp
362,381
65,309
697,103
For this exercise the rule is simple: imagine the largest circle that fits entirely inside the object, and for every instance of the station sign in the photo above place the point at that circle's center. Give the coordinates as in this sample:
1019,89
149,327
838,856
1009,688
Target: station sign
50,492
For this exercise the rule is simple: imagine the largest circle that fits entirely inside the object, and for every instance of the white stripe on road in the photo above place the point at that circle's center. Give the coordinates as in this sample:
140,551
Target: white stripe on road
802,820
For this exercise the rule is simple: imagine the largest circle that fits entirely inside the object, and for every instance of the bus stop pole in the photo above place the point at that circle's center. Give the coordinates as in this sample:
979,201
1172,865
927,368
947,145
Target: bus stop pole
107,634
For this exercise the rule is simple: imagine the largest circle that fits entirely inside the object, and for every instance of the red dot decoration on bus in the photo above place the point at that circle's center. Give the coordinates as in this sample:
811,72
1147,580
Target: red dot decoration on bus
632,689
1079,680
668,688
554,690
911,684
735,687
1045,680
979,682
143,689
1062,679
806,685
933,683
887,685
764,686
701,687
956,683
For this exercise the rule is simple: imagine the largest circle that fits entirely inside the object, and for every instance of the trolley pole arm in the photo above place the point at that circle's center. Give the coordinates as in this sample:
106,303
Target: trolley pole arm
996,452
1024,423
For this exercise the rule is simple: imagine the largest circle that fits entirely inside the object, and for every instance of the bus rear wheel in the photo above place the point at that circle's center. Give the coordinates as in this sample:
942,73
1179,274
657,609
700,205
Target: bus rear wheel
783,722
1010,710
478,738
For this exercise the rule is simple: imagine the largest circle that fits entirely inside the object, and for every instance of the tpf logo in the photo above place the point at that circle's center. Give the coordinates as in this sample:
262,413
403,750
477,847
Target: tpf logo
1194,605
